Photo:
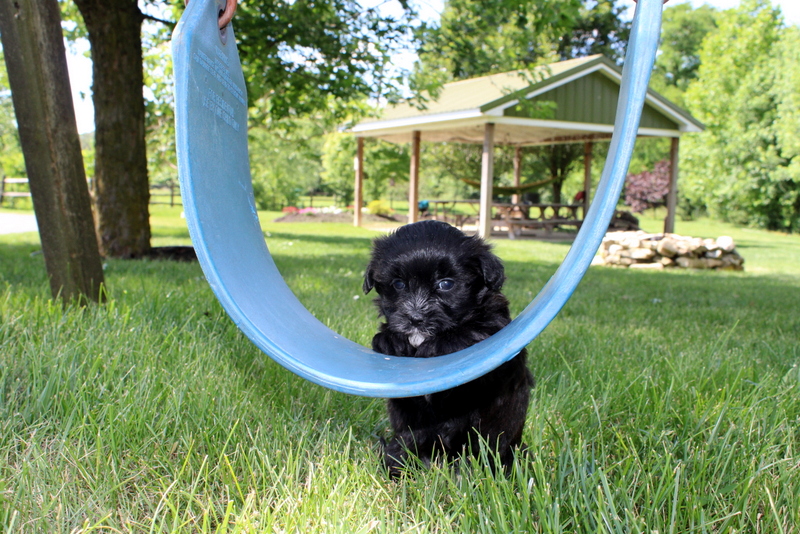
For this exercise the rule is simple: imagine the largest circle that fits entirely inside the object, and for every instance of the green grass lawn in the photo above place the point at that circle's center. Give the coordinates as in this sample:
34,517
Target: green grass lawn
665,402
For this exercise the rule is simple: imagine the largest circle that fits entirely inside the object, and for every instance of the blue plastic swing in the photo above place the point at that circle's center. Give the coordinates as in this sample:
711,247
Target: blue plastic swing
213,164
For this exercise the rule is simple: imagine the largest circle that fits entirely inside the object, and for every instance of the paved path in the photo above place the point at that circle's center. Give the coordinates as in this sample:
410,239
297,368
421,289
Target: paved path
11,223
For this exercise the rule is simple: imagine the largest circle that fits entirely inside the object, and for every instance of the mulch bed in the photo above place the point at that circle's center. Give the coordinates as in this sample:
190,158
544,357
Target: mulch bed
176,253
333,217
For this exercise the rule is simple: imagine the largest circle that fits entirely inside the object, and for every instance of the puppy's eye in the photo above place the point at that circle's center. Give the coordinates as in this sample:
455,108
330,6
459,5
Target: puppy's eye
445,285
398,285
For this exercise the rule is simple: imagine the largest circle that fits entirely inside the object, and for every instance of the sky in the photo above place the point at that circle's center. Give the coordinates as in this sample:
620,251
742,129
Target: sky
80,66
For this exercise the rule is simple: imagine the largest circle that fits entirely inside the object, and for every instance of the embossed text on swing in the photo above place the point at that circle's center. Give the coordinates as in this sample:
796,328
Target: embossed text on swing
212,100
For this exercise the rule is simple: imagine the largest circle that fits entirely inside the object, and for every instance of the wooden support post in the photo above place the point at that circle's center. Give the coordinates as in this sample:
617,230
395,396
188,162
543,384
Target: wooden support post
413,181
37,73
515,198
672,195
358,190
487,181
587,175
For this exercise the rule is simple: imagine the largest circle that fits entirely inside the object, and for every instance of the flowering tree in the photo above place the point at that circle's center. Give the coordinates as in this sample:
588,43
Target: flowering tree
648,189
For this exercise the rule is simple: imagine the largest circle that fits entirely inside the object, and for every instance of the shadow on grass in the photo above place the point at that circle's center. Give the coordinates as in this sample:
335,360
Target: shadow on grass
753,245
691,292
616,299
165,232
612,309
22,265
345,242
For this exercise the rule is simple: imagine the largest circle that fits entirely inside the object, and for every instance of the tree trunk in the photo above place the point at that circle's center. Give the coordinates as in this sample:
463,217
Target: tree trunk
560,159
557,190
554,155
37,73
121,185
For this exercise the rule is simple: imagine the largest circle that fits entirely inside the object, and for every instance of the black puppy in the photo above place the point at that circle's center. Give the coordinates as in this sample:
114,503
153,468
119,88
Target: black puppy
439,291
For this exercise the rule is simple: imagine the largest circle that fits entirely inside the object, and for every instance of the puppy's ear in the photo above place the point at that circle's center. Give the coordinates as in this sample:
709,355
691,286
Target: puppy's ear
494,274
369,279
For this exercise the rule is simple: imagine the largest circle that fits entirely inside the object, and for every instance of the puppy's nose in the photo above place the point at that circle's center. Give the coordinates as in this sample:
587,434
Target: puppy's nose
415,318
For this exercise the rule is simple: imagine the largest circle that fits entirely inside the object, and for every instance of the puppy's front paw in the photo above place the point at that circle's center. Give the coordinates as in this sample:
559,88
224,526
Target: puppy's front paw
394,457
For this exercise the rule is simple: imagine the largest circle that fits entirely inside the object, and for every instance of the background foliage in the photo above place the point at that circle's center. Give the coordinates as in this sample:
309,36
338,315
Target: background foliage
743,168
285,162
11,161
386,168
737,71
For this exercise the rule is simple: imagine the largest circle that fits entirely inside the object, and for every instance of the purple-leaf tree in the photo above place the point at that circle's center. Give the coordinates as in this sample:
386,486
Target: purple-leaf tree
648,189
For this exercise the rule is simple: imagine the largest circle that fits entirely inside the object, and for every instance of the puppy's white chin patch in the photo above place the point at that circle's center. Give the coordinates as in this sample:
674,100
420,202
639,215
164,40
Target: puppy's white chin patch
416,339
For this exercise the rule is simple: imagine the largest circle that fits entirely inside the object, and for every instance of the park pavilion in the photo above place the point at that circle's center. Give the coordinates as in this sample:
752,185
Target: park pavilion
491,110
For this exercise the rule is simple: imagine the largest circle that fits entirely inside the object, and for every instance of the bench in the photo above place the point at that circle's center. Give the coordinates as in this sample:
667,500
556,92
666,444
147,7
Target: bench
519,217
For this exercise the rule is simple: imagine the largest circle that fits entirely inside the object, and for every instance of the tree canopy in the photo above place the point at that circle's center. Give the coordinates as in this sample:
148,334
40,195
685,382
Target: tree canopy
299,58
312,56
682,32
479,37
744,167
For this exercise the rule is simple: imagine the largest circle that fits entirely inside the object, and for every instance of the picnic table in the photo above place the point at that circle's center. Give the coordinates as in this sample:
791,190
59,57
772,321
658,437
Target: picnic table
514,217
519,216
445,210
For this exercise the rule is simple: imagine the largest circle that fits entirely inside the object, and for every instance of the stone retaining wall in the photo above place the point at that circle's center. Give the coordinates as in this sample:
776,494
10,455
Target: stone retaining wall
640,250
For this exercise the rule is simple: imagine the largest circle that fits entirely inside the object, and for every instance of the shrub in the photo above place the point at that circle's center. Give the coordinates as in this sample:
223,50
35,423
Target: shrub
648,189
379,207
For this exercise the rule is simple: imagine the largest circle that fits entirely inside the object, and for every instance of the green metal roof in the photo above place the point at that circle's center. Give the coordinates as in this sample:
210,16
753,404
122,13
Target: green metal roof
485,90
577,97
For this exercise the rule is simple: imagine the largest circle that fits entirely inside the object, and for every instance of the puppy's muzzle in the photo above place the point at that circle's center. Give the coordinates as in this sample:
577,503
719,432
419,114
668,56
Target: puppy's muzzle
413,320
